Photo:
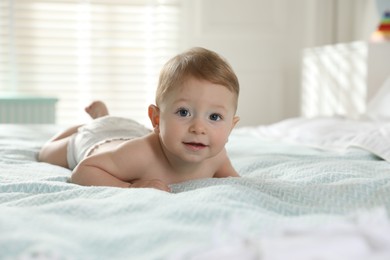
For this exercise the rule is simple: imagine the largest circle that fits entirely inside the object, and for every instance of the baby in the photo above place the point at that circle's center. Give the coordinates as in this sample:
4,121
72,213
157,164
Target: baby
195,111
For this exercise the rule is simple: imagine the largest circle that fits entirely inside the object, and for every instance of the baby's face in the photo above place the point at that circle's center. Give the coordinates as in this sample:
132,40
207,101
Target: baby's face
196,120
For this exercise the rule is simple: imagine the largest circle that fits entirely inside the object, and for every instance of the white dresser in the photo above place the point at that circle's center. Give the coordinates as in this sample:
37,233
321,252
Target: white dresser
17,109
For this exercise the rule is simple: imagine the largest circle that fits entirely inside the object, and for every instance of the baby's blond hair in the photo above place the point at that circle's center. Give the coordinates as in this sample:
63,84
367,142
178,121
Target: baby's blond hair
199,63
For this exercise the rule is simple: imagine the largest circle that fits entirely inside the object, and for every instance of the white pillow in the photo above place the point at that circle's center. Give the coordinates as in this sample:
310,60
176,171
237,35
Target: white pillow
378,108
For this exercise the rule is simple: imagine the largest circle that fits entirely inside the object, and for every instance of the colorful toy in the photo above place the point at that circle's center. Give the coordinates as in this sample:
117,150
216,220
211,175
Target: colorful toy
382,32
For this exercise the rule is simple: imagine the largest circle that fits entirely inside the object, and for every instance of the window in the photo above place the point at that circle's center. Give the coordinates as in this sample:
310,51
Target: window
80,51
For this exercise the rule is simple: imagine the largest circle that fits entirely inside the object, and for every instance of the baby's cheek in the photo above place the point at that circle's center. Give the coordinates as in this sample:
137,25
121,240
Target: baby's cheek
221,140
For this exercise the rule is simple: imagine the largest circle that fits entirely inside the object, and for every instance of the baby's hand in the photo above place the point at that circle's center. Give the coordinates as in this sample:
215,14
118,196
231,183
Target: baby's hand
156,184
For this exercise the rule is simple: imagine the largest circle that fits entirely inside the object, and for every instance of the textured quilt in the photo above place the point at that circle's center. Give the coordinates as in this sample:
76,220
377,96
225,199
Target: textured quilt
283,186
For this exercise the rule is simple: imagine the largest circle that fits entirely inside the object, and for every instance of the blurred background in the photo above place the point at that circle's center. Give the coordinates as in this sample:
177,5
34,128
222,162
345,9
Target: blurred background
66,53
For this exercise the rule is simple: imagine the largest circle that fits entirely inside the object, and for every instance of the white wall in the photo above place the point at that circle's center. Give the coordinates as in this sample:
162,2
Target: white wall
263,40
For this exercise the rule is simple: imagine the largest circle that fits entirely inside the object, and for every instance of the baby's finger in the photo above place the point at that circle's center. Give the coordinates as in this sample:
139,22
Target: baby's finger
162,186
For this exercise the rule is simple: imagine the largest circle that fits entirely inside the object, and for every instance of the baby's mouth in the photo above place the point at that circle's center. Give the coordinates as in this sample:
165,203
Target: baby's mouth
194,145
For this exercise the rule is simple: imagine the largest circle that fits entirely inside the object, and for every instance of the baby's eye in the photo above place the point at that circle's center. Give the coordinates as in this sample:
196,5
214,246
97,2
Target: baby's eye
215,117
183,112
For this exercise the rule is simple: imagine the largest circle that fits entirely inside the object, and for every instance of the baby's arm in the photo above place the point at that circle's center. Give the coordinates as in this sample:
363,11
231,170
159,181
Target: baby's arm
95,171
114,168
226,168
155,183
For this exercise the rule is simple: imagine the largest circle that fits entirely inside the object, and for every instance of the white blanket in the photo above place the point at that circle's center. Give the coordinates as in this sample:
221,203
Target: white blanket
363,235
44,216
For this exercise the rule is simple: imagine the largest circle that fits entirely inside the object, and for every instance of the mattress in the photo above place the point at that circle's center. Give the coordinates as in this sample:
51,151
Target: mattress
297,192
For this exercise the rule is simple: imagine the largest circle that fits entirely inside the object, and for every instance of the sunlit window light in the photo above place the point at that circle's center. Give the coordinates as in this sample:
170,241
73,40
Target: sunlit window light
84,56
334,80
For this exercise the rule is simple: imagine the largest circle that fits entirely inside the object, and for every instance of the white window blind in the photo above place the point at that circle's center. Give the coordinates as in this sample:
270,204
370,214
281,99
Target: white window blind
80,51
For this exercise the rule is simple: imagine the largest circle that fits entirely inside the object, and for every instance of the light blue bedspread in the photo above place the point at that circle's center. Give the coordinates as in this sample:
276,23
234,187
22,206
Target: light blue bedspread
42,215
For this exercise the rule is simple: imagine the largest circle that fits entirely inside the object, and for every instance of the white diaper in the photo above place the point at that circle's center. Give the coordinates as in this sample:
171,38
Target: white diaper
98,131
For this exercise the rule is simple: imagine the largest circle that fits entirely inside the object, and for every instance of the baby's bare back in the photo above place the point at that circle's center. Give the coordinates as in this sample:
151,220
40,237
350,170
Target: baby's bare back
108,145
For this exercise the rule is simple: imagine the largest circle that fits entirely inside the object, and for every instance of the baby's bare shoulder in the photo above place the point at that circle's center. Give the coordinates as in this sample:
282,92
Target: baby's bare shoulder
135,156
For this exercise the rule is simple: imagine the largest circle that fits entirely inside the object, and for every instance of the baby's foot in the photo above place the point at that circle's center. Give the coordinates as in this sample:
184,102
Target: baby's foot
97,109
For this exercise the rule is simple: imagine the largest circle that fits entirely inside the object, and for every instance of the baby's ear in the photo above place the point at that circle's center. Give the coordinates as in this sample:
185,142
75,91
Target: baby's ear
154,115
235,120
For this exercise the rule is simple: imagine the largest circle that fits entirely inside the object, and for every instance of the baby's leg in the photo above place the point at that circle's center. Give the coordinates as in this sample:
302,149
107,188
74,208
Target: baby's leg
55,150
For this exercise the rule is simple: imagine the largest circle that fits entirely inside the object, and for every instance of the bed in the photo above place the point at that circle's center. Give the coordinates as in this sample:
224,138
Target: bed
309,189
